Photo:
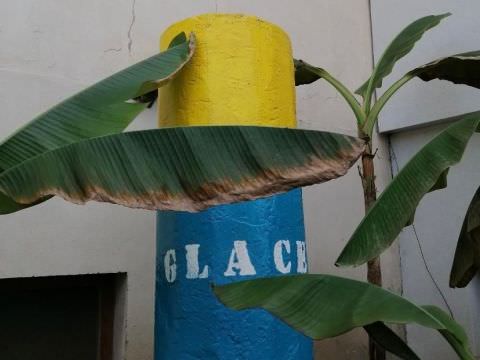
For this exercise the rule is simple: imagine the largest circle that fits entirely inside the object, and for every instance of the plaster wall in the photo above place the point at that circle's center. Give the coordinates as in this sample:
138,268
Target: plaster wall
53,48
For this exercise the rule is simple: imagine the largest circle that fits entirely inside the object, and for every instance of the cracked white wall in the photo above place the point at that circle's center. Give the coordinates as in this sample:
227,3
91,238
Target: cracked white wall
51,48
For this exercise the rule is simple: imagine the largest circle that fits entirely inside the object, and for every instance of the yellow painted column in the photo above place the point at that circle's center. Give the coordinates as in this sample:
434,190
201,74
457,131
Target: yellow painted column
241,73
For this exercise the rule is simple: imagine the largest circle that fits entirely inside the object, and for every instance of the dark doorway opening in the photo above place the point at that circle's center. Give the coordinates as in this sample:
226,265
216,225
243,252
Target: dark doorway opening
61,317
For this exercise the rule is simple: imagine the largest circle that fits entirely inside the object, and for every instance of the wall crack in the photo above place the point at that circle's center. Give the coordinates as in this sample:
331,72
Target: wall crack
112,49
132,23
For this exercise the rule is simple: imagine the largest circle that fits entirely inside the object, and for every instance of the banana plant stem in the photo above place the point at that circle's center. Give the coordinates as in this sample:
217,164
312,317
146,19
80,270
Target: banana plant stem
374,272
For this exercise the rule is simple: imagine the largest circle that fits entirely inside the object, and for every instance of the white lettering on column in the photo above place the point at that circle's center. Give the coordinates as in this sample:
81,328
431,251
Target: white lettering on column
280,264
301,257
170,264
239,260
193,267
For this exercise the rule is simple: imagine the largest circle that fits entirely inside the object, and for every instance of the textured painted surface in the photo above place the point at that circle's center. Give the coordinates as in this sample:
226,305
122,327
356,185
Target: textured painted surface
242,73
190,322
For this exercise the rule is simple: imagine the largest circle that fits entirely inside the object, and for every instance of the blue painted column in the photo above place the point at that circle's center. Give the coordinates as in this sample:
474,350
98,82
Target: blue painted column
224,244
232,79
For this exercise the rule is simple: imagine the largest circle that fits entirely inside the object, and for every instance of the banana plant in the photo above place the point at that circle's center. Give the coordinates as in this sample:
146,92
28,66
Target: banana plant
76,150
322,306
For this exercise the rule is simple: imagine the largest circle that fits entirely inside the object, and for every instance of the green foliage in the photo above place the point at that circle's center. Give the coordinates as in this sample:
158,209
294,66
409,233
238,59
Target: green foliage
99,110
74,151
398,48
183,168
323,306
459,69
467,256
398,202
452,332
377,232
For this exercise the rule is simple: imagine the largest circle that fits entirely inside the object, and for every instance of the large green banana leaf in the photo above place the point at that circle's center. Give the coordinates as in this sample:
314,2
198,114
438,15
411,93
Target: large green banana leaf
398,202
460,69
401,45
467,256
100,109
183,168
323,306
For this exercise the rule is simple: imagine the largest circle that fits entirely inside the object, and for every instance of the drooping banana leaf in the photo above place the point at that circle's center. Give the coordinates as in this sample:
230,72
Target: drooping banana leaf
460,69
183,168
100,109
453,332
323,306
466,262
389,341
401,45
397,203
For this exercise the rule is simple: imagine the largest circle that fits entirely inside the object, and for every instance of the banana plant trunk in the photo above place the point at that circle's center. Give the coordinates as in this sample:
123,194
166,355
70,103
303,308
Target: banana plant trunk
374,272
241,74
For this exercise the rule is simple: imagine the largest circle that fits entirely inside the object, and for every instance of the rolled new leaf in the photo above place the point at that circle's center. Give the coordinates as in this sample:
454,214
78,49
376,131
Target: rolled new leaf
183,168
323,306
466,262
398,202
